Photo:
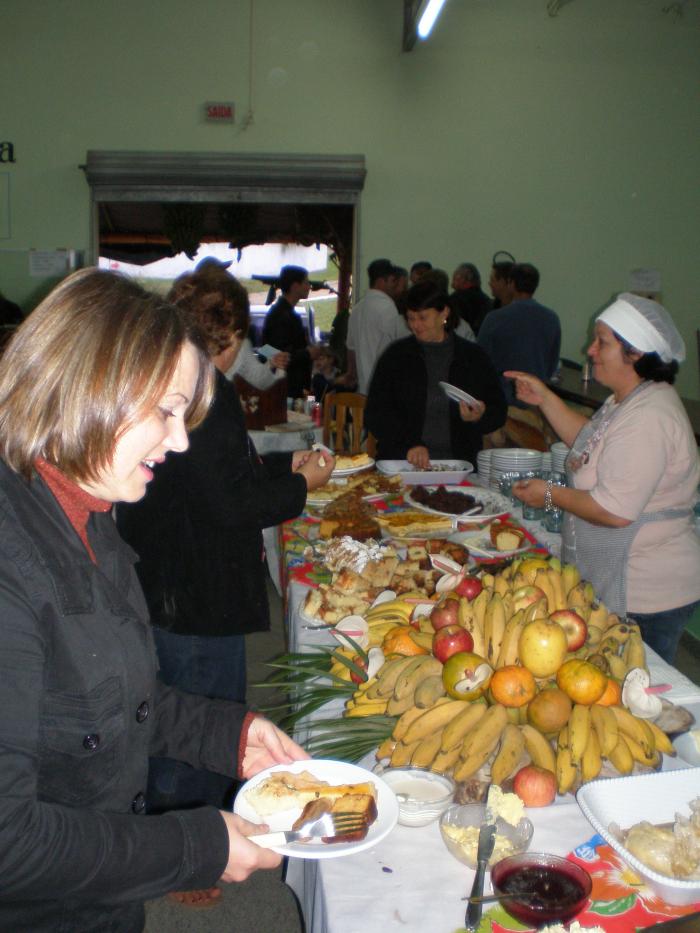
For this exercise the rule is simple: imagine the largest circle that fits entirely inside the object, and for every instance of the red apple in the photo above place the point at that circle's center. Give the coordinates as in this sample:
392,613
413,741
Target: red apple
445,613
355,678
536,787
449,640
525,596
574,626
469,587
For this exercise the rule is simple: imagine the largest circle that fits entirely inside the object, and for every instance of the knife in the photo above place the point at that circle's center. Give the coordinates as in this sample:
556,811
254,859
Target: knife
688,924
487,840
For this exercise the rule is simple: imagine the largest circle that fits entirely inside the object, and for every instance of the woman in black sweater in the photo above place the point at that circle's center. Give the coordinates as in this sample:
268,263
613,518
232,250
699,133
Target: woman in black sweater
407,410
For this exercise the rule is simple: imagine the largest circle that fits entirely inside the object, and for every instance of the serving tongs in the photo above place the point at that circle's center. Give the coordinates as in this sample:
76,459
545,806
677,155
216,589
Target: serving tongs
487,840
317,829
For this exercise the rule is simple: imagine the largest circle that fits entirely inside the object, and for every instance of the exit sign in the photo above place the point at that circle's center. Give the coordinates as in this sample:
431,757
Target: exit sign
219,111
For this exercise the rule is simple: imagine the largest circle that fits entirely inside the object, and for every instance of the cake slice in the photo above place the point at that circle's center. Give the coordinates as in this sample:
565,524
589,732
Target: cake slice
284,790
361,805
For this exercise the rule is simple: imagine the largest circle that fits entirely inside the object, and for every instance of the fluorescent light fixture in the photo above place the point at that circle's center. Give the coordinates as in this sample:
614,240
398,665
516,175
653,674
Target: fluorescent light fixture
427,14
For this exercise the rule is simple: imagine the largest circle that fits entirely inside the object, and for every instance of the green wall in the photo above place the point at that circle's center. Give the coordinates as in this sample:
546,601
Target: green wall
571,141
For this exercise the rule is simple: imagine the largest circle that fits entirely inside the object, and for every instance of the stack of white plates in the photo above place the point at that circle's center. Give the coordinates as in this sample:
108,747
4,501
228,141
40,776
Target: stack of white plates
559,453
483,465
513,460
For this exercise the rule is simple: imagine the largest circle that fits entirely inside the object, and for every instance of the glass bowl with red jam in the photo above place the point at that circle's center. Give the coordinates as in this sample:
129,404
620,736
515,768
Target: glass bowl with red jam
541,888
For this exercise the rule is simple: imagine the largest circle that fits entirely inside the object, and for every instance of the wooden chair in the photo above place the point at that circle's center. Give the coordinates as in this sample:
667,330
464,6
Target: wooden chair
343,421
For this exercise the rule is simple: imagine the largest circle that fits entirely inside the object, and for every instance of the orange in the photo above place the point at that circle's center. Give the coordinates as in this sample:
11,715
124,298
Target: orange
582,681
612,695
398,641
549,711
513,685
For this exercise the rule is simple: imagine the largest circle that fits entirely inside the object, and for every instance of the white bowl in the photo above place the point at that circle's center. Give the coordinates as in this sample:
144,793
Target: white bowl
688,747
428,793
653,797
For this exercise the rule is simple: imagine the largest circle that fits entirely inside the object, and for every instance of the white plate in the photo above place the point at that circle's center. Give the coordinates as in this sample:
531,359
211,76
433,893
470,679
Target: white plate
335,772
458,470
477,541
351,470
629,800
457,395
493,502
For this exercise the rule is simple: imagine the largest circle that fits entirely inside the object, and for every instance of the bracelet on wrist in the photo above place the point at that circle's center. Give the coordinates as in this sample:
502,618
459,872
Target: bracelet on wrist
548,502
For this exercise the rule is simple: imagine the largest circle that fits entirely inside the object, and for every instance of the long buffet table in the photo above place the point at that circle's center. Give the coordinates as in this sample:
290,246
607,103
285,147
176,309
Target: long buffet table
409,882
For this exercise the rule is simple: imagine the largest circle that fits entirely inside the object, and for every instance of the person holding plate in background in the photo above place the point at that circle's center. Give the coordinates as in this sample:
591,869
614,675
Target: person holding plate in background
633,472
98,387
408,411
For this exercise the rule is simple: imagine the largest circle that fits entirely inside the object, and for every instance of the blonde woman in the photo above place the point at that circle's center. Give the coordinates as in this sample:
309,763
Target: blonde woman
97,386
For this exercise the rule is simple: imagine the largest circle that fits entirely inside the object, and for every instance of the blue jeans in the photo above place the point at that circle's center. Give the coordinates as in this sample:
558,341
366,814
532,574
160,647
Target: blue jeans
214,667
663,630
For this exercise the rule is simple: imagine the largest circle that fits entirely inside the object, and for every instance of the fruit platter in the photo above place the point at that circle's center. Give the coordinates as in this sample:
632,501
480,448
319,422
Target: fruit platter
520,678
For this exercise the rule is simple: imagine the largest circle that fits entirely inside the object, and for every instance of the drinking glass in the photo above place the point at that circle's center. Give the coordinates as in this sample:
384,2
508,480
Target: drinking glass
533,512
505,485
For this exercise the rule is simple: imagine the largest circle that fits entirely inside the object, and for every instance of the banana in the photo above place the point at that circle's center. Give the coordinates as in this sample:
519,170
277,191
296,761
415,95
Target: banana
537,610
371,708
529,567
591,761
500,585
433,720
429,691
445,761
576,597
634,654
401,756
485,734
386,749
638,753
570,577
405,721
467,766
465,613
558,588
579,730
599,616
494,628
488,579
422,639
426,750
605,725
621,757
509,754
399,607
479,606
620,632
543,580
566,769
538,748
509,645
388,674
412,674
636,729
661,740
454,732
594,636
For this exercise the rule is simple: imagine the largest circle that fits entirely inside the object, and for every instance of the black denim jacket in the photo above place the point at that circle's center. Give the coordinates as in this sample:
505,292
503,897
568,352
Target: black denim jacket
80,712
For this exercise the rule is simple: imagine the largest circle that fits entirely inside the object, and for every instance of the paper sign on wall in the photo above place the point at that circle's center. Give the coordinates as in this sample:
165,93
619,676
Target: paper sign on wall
44,263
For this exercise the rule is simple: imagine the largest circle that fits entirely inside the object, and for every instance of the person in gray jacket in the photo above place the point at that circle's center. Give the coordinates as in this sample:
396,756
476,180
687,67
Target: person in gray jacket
97,386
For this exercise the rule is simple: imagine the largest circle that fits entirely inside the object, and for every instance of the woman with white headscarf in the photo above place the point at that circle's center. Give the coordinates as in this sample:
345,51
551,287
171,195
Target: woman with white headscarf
633,472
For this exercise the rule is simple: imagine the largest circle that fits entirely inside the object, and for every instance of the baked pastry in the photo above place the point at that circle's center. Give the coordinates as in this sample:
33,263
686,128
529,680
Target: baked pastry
284,790
352,461
413,524
363,806
505,537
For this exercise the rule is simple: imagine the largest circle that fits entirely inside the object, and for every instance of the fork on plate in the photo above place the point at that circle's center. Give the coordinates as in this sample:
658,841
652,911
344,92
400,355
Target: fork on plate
316,829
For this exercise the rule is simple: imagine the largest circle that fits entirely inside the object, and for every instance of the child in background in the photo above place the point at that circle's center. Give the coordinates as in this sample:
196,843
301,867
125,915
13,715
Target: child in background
324,372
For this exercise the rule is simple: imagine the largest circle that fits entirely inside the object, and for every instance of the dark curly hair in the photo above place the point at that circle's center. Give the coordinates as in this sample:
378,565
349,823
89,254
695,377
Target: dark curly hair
649,365
218,303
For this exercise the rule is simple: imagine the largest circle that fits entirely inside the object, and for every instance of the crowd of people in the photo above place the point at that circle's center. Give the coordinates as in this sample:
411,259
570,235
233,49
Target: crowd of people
124,726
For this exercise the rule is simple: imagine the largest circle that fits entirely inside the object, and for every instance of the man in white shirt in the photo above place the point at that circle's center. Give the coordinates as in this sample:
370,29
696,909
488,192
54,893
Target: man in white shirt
374,323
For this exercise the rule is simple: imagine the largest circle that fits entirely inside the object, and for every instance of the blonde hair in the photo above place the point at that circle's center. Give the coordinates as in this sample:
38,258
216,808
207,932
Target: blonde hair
85,366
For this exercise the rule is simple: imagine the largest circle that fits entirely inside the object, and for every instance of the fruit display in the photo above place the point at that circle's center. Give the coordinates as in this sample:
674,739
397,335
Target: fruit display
521,683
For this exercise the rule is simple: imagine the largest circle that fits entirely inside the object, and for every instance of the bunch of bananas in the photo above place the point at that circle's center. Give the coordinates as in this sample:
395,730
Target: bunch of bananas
386,616
402,683
594,733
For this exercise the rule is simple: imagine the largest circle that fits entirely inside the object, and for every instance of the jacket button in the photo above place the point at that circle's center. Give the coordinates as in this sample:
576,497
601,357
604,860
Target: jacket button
138,804
90,742
142,712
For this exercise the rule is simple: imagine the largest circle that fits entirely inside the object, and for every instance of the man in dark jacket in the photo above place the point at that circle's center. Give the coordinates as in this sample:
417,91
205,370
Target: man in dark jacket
284,330
467,298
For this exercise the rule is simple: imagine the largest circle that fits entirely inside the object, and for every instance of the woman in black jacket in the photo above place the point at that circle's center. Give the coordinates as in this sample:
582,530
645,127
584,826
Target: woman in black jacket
408,412
198,534
99,384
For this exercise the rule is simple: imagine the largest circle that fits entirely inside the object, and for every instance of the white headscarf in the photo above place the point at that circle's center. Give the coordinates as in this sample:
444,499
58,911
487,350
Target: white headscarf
646,325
